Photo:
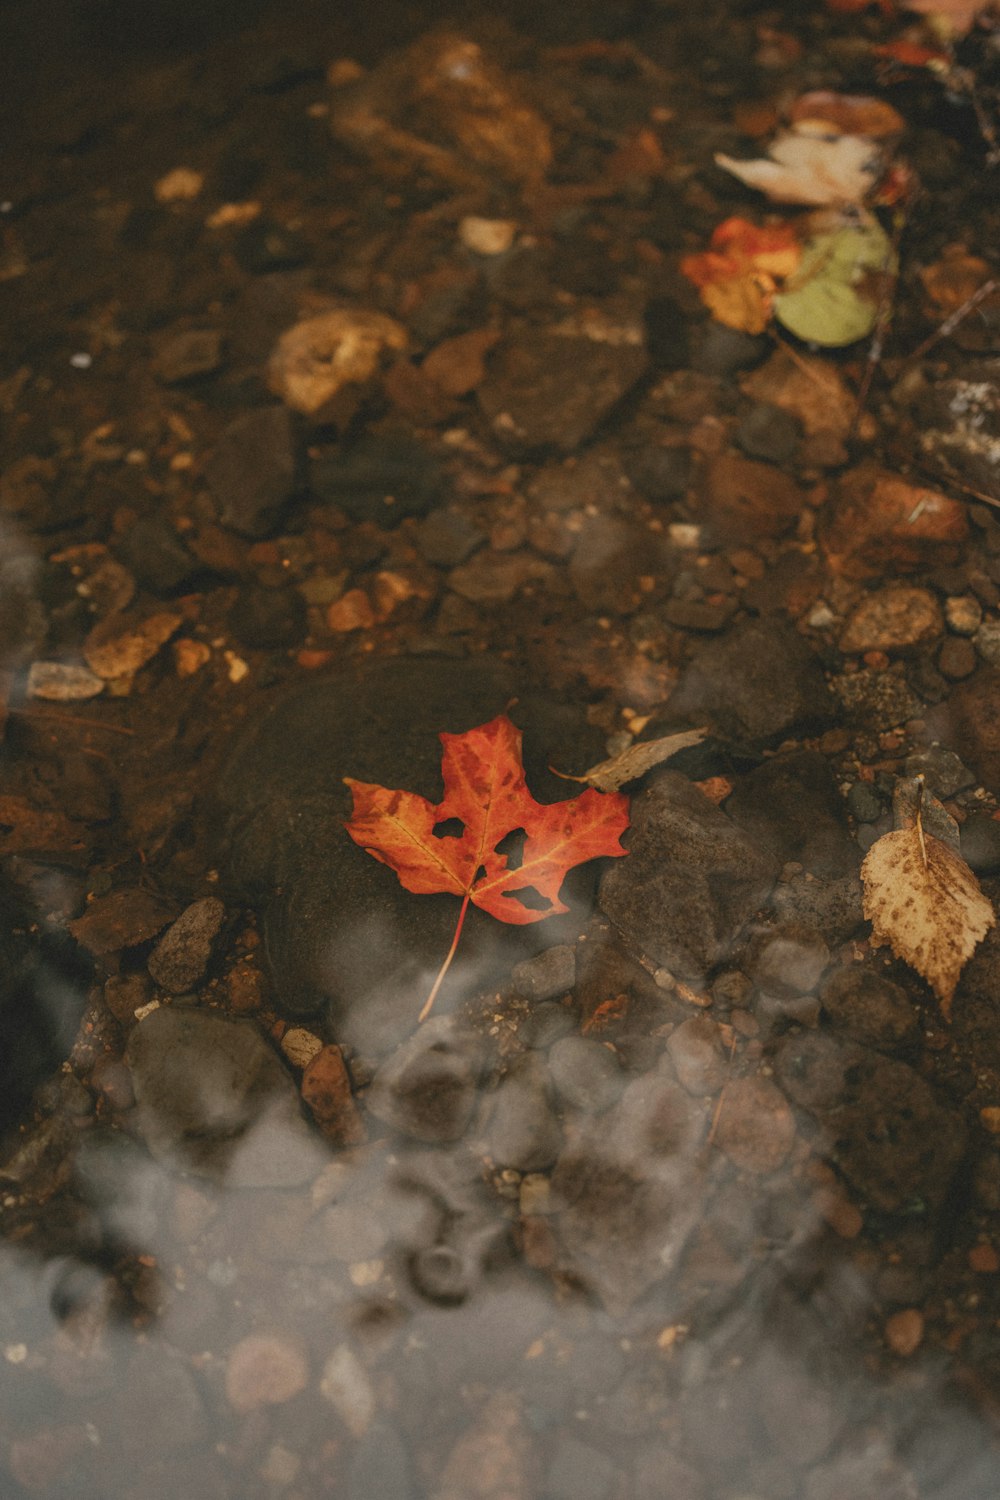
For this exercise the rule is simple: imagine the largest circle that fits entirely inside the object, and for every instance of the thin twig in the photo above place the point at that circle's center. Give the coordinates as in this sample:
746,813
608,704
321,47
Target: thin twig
951,323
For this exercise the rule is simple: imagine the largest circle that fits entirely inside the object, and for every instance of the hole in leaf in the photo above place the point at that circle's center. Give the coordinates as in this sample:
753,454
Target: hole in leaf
512,847
448,828
480,874
530,898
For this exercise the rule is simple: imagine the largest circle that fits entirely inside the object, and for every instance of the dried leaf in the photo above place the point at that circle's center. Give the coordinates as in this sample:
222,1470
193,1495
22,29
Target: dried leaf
738,275
807,165
847,114
612,774
485,791
925,903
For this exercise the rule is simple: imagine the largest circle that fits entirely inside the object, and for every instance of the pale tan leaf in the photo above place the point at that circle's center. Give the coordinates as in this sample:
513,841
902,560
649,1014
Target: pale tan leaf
931,913
609,775
816,169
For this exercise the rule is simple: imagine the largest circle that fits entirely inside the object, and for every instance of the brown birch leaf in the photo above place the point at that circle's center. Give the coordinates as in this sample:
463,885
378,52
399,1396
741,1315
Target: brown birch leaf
925,903
633,762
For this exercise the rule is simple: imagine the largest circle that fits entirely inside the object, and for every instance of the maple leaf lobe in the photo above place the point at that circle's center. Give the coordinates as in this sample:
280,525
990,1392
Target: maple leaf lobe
486,792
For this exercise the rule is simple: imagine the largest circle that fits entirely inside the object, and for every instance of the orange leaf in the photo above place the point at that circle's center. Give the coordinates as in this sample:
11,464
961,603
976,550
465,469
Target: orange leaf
485,791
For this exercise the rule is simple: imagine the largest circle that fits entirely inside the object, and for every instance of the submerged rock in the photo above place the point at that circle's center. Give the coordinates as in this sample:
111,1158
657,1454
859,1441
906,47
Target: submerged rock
216,1100
895,1141
758,682
690,882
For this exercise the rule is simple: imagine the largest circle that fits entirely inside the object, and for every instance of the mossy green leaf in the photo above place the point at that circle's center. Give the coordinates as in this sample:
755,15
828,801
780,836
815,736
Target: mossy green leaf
833,298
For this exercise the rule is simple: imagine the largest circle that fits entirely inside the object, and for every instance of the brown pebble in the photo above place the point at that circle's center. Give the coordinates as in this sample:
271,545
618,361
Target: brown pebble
326,1089
984,1258
904,1331
245,987
843,1216
956,658
265,1369
352,611
755,1127
891,619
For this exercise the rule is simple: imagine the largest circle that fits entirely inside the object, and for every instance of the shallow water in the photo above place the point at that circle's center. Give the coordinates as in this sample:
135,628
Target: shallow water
685,1194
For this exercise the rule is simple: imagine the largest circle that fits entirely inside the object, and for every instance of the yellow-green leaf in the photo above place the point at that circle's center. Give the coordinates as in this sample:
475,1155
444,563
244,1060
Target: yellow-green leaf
833,298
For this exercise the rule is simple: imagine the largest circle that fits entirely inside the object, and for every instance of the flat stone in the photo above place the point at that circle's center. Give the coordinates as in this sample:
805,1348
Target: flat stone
265,1369
758,682
253,470
122,919
746,501
980,836
942,770
956,658
180,958
690,882
268,619
548,391
628,1189
63,682
493,1459
883,1127
770,433
213,1098
892,619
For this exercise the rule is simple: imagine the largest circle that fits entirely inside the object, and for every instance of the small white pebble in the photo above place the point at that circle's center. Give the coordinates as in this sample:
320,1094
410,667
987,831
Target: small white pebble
81,361
237,668
487,236
684,534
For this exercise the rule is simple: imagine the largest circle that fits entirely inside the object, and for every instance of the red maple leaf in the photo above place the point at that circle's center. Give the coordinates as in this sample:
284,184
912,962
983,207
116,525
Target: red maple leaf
486,792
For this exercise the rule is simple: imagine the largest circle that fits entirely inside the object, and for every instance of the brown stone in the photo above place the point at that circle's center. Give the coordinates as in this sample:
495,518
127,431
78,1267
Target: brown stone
745,501
879,519
265,1369
755,1127
904,1331
891,619
326,1089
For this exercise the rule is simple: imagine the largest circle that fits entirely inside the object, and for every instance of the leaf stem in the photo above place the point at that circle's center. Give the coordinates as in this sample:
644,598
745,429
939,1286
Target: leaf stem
447,963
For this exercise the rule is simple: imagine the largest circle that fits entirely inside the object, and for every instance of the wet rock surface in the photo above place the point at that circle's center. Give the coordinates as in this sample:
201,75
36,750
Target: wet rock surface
691,880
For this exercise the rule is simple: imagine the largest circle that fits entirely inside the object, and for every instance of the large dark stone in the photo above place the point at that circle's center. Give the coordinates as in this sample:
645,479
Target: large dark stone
690,882
42,998
883,1126
338,927
253,470
758,683
792,806
215,1099
546,391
